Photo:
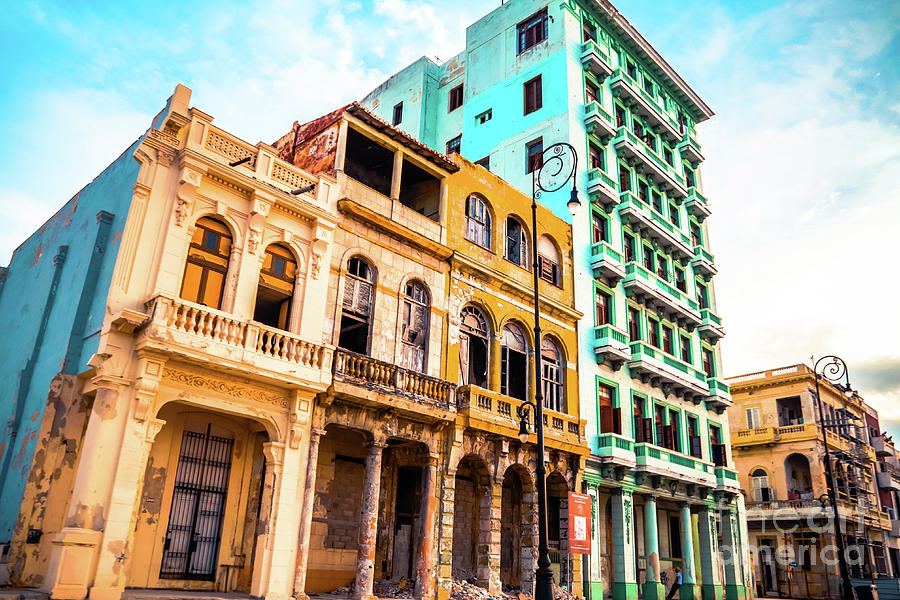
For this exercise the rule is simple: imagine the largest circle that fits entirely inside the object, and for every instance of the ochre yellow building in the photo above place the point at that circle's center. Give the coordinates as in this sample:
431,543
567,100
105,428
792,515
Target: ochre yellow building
778,449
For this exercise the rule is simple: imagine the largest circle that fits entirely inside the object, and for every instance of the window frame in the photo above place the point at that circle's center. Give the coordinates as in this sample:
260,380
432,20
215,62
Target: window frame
454,98
536,22
454,145
398,114
534,160
536,92
472,222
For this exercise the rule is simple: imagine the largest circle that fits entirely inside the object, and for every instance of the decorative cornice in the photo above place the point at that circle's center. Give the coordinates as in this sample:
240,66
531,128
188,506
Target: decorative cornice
353,208
234,387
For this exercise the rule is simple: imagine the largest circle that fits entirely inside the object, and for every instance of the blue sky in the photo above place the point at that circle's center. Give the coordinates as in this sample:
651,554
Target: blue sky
803,156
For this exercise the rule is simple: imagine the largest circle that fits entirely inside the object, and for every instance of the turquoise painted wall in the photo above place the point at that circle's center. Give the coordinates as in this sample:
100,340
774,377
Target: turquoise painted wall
80,301
493,74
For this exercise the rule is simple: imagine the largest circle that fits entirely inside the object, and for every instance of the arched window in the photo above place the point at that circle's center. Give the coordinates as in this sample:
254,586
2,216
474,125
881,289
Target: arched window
207,263
357,306
549,261
551,376
414,326
478,221
760,481
516,243
473,347
276,287
514,362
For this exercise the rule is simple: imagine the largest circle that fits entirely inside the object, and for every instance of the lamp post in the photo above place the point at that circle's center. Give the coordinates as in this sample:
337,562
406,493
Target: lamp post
559,163
833,371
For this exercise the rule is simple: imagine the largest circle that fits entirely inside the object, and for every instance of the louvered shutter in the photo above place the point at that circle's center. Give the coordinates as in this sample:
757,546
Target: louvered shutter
464,359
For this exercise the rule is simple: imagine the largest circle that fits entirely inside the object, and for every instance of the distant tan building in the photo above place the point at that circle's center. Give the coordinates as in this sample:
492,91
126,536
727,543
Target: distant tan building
778,451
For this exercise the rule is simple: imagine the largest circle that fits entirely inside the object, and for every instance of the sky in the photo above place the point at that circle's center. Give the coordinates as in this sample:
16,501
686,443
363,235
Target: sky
802,158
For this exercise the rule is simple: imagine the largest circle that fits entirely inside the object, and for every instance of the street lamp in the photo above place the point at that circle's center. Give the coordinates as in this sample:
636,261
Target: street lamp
833,371
559,164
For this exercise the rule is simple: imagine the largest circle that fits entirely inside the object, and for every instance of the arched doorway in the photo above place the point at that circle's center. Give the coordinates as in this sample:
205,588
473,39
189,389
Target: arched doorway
200,503
517,530
471,513
557,528
797,475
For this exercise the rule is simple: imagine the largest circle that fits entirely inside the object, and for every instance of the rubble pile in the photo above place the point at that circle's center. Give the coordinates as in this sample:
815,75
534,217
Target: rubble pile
391,589
464,590
563,594
346,590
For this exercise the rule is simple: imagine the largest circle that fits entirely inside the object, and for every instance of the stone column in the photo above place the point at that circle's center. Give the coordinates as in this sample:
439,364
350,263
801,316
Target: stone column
309,497
487,551
688,589
340,156
296,303
624,585
425,568
445,548
70,569
731,554
268,498
709,554
231,280
397,174
652,588
368,522
284,522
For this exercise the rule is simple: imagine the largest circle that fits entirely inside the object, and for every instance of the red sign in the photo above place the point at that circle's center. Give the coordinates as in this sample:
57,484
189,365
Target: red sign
579,523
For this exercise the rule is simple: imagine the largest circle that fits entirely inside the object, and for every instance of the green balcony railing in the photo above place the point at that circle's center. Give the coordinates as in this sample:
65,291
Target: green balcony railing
688,140
694,194
593,46
639,349
639,271
594,108
604,250
724,474
595,174
608,332
642,450
701,252
620,73
709,316
649,153
612,440
717,385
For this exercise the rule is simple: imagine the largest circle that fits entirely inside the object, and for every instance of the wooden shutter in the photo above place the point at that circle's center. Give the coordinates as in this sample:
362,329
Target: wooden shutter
606,419
695,446
648,430
464,359
617,420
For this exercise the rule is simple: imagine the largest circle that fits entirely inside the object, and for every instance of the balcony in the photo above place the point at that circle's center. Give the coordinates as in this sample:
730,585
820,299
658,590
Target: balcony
606,263
697,205
787,510
646,161
611,346
602,189
656,460
599,123
719,394
727,480
652,291
880,447
702,263
690,149
771,435
615,449
365,380
887,476
653,225
595,58
495,413
710,326
666,372
200,334
640,101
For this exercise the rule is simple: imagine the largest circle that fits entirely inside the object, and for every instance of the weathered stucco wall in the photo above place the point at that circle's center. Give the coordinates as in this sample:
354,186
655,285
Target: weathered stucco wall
71,311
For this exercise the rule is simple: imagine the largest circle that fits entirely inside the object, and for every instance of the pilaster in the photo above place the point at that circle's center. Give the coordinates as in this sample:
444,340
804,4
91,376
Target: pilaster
624,584
688,590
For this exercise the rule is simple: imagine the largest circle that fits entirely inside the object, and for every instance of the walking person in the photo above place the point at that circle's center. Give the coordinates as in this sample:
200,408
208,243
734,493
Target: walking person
675,585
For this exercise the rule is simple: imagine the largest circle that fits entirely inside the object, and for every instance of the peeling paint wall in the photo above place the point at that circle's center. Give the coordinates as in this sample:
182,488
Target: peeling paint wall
22,306
49,483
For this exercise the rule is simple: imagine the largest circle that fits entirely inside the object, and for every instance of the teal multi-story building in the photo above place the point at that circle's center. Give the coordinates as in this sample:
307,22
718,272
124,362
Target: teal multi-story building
534,73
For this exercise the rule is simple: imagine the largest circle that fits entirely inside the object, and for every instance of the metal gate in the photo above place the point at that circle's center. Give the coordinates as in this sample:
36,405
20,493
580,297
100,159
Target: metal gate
198,502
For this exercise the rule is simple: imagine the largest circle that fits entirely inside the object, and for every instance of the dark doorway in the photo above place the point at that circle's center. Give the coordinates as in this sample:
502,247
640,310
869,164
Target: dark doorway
406,522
